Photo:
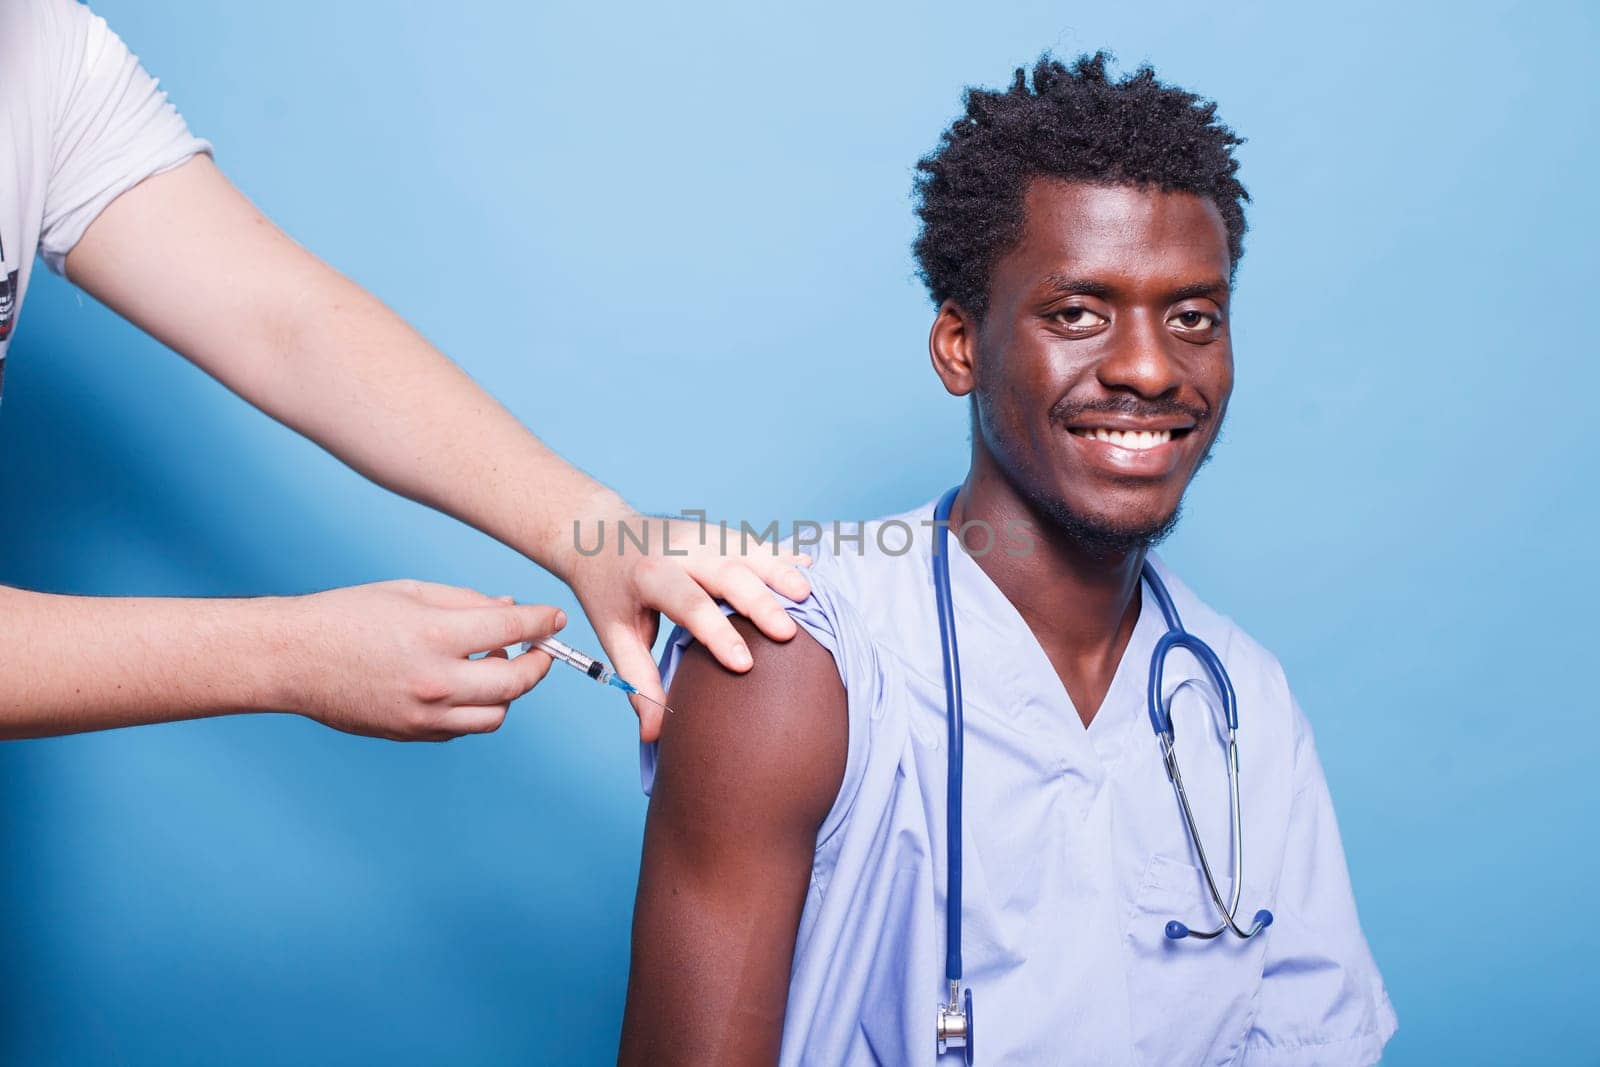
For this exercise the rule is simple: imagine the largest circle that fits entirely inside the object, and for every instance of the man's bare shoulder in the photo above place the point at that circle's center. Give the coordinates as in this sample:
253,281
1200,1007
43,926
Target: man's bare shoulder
764,748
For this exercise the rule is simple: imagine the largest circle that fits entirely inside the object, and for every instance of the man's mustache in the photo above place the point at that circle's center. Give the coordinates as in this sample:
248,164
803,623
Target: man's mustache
1066,411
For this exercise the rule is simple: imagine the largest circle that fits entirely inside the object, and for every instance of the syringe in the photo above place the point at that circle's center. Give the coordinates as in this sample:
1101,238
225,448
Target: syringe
594,668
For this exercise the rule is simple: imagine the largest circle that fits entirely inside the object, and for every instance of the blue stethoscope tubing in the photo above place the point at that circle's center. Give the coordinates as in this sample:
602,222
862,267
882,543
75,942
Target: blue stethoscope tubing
955,1016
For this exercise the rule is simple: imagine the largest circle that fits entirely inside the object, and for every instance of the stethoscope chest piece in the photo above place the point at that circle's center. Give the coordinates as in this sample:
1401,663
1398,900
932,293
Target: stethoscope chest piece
955,1022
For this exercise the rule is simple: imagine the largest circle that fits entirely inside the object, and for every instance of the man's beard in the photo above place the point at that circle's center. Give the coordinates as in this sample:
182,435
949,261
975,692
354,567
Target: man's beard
1101,537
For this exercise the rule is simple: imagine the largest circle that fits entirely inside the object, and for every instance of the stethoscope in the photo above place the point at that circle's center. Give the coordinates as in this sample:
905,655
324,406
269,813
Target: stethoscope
955,1016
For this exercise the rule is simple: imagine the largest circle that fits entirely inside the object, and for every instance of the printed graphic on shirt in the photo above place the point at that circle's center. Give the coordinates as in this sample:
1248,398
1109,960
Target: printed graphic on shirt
8,303
8,308
8,295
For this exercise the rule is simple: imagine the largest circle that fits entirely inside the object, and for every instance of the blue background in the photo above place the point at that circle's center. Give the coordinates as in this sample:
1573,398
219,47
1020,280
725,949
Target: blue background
705,207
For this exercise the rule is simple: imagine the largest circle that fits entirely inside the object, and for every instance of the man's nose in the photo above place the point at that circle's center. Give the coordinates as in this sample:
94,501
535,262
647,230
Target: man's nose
1137,359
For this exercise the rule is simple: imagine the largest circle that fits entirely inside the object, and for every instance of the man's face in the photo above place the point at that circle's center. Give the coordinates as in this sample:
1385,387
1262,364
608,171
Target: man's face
1103,365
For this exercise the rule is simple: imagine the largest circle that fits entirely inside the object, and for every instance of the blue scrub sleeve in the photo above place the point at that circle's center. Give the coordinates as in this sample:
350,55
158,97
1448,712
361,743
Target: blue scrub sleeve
1322,999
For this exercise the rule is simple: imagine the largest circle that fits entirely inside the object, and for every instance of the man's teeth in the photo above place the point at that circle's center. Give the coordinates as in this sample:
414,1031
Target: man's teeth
1135,439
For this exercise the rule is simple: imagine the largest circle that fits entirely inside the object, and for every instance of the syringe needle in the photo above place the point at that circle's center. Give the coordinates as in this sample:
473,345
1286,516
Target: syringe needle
633,690
654,701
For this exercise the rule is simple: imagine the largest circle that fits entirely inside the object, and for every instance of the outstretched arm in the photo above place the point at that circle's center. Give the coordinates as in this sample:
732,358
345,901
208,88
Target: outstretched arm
747,770
186,257
388,660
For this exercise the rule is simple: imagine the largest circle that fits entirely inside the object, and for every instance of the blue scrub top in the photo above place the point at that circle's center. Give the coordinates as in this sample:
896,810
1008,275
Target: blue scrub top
1075,853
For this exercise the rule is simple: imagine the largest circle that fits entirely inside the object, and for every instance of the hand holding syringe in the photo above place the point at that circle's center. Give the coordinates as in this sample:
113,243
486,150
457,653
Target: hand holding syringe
596,669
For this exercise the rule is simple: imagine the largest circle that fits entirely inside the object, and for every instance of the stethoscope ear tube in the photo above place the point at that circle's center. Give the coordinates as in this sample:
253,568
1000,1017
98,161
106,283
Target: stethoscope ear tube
1160,716
954,1028
1161,721
953,719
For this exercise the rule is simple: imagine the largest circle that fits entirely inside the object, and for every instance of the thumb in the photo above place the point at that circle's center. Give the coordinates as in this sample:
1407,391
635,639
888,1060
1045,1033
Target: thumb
630,658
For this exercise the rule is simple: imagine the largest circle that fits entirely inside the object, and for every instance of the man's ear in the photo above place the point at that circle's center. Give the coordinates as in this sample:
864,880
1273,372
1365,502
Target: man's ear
953,347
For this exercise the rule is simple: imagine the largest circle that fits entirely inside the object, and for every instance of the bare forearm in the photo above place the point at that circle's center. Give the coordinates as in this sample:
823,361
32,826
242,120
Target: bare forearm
359,381
318,353
70,664
391,659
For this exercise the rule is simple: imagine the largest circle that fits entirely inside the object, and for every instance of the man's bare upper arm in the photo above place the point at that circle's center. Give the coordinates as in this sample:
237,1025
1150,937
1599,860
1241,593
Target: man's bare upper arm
747,769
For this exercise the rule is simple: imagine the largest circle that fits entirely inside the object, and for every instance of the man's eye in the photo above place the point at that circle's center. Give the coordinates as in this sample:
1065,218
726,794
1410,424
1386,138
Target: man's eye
1194,320
1080,317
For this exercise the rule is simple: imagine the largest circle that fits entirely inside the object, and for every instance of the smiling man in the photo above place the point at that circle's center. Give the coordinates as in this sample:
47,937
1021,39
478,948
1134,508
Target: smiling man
1080,235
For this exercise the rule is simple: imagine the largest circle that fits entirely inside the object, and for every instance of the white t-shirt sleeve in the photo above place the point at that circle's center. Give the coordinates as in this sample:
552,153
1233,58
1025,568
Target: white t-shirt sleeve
111,125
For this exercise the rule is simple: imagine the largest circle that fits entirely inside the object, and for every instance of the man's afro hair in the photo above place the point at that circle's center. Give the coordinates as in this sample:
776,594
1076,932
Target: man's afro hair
1074,123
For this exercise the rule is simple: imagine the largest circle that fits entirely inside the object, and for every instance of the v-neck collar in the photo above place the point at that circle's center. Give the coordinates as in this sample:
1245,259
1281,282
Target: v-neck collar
1001,655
